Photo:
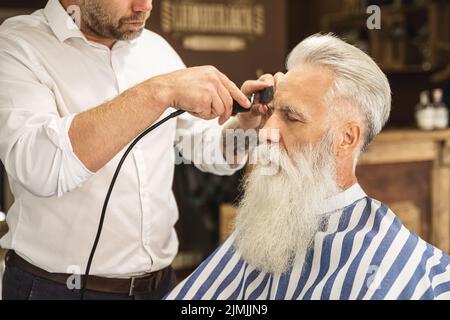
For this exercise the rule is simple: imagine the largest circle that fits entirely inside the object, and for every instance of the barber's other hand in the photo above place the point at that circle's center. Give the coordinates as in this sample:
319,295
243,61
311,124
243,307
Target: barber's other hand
256,118
204,92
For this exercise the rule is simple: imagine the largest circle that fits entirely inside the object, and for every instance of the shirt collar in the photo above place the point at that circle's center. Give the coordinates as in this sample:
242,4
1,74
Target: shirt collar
60,21
65,28
344,199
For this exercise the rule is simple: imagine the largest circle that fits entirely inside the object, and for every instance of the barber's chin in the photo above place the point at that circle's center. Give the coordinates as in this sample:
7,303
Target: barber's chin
131,34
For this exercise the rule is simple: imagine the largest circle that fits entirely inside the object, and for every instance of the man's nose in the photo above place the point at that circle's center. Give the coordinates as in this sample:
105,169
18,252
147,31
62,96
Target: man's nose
270,133
142,5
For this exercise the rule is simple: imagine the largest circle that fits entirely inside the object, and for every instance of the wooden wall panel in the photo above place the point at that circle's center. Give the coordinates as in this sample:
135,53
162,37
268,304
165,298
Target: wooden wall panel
248,37
405,188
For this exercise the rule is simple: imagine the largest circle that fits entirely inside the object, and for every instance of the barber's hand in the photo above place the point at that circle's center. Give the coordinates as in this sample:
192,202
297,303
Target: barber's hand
256,118
204,92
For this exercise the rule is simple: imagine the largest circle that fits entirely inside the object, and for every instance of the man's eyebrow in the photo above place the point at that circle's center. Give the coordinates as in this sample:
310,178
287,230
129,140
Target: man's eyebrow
295,111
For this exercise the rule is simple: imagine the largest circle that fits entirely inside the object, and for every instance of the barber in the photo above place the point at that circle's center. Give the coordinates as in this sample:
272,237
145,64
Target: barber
72,97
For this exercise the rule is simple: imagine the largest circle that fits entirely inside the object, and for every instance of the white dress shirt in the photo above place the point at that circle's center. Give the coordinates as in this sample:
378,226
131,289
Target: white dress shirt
49,72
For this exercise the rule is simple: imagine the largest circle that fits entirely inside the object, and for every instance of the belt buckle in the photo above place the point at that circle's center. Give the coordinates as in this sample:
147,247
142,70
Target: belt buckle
131,291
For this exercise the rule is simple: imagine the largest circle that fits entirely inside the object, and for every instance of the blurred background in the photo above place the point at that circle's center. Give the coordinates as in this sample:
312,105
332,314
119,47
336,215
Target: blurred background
407,166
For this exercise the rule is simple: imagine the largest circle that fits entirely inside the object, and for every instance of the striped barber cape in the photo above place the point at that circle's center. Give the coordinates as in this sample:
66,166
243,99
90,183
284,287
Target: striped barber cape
363,252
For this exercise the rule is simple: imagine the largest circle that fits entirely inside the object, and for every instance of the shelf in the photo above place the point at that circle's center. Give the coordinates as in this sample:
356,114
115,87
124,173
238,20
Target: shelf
408,69
413,134
345,18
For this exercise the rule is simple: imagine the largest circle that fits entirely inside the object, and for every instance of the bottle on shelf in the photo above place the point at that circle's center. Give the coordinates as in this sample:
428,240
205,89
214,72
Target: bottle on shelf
425,112
440,110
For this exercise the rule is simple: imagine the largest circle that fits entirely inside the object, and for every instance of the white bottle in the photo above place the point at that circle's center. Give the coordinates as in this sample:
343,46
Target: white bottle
425,113
440,110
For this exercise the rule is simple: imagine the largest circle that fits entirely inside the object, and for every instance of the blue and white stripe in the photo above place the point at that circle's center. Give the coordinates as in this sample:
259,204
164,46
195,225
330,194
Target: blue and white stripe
364,253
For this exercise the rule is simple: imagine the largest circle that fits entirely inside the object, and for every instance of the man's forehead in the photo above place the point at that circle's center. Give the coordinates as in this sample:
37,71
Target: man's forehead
307,74
305,83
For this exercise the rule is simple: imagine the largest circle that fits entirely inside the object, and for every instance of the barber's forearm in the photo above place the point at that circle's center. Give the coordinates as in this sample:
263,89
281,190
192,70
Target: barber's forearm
97,135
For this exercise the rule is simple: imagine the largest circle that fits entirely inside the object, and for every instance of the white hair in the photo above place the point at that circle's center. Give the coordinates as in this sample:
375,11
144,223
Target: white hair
357,78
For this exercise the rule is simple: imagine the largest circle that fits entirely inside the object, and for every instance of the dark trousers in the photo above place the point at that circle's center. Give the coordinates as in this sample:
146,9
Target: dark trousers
21,285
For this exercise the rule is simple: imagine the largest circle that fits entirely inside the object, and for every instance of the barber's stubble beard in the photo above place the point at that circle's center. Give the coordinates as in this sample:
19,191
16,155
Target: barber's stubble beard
279,215
99,21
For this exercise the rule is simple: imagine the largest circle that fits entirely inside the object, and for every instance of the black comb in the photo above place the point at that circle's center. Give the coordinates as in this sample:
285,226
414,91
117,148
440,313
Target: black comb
266,96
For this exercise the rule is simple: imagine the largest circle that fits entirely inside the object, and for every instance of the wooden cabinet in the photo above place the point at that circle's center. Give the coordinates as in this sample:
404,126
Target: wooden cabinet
409,170
411,37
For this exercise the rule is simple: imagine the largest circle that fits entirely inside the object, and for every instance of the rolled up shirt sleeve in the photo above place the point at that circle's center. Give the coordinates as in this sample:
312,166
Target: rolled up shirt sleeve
200,142
34,143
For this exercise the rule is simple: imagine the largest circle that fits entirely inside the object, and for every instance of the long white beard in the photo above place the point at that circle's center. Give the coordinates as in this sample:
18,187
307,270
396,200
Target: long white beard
280,214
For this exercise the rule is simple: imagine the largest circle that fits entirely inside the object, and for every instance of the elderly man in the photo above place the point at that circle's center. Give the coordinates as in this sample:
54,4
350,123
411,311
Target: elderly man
308,231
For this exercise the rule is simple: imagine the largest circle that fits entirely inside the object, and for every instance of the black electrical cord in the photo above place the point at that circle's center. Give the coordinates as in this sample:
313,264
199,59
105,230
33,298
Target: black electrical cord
266,97
108,195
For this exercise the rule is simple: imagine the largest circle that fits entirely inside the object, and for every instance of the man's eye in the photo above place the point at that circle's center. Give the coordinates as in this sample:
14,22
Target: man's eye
291,118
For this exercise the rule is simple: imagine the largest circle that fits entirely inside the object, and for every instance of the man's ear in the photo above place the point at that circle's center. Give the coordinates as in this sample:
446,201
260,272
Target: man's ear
349,139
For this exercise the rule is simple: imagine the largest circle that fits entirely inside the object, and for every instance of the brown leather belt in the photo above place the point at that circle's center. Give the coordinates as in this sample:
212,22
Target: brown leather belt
132,286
